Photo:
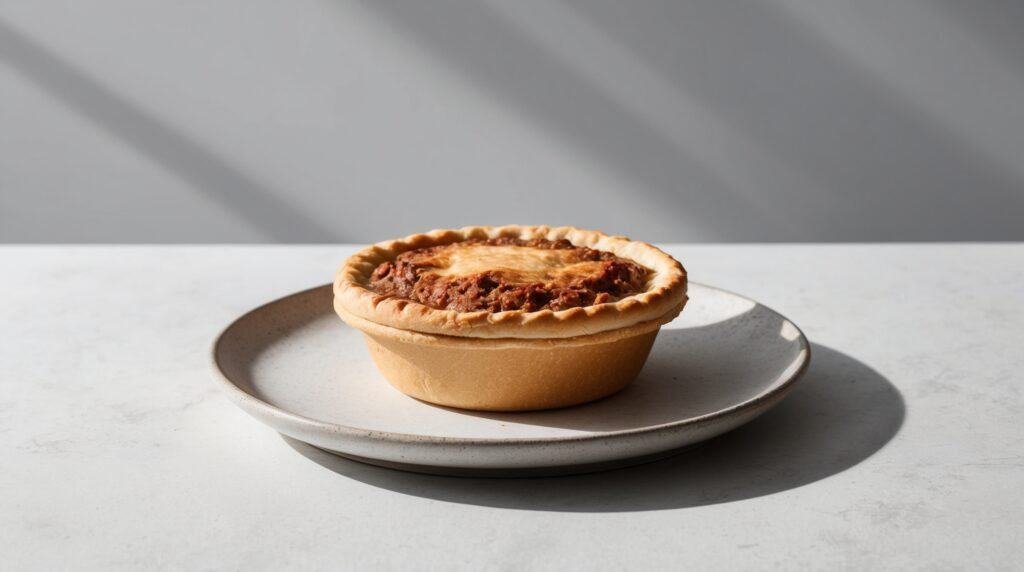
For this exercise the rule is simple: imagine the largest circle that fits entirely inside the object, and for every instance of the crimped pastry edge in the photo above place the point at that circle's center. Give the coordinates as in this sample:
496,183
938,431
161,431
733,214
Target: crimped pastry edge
463,342
666,289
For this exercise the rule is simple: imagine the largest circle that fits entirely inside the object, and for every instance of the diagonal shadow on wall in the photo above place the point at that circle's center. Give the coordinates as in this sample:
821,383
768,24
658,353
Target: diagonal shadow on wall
483,46
877,166
884,169
176,152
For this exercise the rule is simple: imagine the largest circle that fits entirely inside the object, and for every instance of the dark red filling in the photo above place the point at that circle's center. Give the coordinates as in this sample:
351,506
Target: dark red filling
408,277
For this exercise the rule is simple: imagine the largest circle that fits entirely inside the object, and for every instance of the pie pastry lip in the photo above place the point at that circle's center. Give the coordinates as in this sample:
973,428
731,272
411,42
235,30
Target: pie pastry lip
467,343
662,300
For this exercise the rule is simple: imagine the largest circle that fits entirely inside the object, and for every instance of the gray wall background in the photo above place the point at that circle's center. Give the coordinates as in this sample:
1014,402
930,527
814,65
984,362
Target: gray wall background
317,120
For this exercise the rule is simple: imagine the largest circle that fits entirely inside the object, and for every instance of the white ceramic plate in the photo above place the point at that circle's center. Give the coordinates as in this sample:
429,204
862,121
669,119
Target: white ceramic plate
297,367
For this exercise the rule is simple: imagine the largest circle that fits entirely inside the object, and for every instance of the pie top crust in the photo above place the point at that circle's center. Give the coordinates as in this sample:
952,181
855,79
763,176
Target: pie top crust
510,282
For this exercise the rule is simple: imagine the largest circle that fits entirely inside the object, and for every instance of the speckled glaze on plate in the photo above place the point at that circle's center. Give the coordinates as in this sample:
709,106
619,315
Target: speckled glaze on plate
294,365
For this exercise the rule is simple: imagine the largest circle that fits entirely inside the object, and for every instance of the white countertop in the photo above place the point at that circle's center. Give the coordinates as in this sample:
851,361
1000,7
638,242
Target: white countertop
903,447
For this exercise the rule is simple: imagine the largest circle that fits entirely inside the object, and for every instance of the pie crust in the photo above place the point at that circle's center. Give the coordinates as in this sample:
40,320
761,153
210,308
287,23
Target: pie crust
663,298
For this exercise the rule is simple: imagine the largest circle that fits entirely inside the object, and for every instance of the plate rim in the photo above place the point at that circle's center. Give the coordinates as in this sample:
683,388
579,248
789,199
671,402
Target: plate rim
243,398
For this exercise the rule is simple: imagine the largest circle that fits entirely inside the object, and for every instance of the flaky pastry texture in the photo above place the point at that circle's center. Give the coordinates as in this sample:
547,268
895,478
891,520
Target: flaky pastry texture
662,300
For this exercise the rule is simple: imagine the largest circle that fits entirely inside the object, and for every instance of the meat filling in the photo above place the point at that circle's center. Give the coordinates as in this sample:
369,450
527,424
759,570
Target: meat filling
580,277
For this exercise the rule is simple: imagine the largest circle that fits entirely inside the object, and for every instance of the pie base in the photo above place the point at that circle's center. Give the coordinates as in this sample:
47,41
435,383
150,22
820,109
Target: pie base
509,374
510,379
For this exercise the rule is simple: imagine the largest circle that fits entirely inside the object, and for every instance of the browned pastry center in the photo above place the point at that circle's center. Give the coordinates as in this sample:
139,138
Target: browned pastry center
501,274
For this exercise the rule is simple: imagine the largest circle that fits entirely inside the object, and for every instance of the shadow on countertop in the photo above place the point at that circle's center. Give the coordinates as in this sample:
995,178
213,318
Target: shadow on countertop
840,414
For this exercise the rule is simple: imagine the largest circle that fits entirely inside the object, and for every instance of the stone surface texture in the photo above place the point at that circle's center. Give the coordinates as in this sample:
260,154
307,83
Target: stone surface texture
903,447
